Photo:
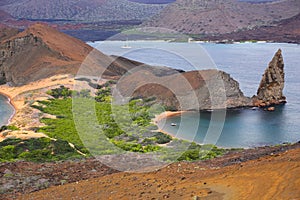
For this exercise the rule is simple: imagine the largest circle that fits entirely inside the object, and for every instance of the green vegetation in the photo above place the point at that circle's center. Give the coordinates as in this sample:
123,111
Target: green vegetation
61,92
136,121
101,126
201,152
63,127
37,150
10,127
162,138
135,147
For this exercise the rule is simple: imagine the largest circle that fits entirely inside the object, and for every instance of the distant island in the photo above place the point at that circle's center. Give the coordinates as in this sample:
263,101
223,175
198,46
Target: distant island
234,20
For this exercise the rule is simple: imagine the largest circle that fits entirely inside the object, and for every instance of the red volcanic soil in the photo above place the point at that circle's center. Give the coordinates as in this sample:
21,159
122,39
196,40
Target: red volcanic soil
262,173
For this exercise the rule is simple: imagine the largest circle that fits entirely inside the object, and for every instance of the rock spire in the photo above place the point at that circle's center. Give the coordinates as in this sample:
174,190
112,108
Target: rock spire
270,91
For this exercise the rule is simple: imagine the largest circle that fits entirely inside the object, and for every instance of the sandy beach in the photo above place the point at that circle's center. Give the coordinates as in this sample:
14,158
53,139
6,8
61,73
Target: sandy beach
25,117
163,116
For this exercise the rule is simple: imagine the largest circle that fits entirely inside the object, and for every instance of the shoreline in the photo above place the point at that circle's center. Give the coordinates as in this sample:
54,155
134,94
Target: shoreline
11,103
204,41
11,92
164,116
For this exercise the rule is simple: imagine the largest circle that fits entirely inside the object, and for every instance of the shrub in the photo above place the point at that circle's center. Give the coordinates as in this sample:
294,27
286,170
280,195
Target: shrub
162,138
189,155
10,127
7,153
36,149
61,92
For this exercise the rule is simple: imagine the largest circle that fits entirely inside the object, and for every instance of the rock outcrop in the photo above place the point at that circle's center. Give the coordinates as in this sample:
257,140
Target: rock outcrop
205,89
194,90
270,91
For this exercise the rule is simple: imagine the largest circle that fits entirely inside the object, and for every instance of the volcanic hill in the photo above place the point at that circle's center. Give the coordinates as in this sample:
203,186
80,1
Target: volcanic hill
80,11
220,17
40,52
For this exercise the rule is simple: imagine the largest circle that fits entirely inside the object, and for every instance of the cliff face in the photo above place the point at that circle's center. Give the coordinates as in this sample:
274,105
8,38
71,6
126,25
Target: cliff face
270,90
195,90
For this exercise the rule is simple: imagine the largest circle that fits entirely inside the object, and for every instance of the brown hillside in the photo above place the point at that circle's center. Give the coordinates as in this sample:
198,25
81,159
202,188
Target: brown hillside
41,51
7,32
287,30
219,17
275,176
194,90
4,19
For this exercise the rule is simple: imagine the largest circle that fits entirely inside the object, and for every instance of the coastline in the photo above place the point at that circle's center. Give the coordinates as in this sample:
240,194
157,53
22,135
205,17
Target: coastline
18,103
11,103
163,116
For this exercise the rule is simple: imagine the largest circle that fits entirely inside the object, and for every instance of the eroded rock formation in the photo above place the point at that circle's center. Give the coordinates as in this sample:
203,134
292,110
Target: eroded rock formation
194,90
270,91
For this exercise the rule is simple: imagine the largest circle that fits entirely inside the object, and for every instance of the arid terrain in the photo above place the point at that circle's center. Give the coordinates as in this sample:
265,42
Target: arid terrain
40,58
264,173
216,18
287,30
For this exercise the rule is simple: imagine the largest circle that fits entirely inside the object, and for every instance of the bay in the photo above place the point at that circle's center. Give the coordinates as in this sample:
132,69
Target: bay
246,63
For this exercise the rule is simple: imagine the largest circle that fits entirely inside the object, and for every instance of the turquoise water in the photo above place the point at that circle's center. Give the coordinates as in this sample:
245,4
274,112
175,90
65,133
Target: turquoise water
6,110
246,63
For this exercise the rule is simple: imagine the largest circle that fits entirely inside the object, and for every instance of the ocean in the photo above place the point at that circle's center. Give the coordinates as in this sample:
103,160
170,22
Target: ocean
245,62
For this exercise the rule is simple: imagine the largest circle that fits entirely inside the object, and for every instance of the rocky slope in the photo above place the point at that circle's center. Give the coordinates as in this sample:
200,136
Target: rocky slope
272,175
270,90
40,52
7,32
206,89
287,31
80,11
220,17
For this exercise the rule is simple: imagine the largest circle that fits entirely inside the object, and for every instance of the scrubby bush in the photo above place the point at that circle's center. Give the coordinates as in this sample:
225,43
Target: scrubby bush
10,127
189,155
61,92
162,138
7,153
36,149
